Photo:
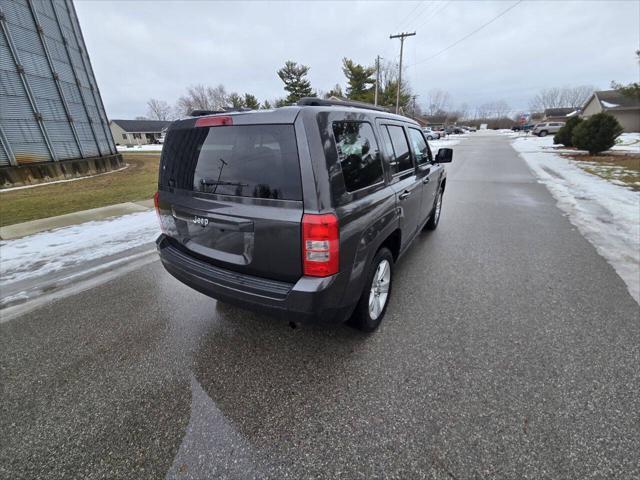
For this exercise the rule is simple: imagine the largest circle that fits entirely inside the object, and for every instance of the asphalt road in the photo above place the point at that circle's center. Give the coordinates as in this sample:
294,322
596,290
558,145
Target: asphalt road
510,349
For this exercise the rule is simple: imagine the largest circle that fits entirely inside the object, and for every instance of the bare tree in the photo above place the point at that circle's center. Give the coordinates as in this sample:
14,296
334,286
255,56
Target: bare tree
463,111
565,97
501,109
438,101
195,99
493,110
218,97
201,97
575,97
159,110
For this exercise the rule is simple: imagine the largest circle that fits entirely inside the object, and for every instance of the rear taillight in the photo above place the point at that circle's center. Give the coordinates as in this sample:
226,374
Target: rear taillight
156,204
320,245
216,121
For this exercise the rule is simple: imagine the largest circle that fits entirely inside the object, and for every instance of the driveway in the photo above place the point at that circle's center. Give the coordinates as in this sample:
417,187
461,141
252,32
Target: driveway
510,349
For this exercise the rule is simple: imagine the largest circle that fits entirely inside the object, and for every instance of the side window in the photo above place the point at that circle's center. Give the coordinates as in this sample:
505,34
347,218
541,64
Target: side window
358,154
401,160
419,145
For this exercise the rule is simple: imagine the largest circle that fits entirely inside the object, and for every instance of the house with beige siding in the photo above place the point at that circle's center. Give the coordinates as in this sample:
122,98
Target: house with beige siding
625,109
137,132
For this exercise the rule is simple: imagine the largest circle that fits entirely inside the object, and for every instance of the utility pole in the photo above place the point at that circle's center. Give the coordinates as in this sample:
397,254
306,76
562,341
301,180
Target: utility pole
375,98
401,36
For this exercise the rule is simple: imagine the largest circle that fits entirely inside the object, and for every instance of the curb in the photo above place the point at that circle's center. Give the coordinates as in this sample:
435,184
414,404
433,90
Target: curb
19,230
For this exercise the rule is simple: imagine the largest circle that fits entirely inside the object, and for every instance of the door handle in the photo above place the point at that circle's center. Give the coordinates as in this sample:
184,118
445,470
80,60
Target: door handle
404,194
425,180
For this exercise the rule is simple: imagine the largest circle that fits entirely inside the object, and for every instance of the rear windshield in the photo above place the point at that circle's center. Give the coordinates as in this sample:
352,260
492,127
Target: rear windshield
258,161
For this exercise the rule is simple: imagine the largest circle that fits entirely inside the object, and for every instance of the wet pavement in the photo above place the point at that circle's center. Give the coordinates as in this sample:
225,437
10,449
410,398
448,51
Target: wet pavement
510,349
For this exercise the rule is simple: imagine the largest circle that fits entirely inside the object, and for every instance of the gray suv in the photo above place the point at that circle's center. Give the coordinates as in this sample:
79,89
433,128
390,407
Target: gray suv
544,129
300,211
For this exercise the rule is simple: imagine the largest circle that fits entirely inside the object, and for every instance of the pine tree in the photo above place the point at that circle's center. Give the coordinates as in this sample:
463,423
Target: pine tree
236,100
250,101
295,81
266,105
360,80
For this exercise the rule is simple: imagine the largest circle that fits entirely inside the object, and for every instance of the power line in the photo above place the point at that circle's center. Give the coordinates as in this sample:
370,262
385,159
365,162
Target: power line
430,7
410,13
457,42
439,8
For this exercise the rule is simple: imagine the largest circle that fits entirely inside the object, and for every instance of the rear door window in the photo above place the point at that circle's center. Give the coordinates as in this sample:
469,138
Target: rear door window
401,160
358,154
259,161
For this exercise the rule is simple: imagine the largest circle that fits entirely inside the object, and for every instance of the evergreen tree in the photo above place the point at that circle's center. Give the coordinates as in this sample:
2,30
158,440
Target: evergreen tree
266,105
360,80
631,90
336,91
250,101
236,100
295,81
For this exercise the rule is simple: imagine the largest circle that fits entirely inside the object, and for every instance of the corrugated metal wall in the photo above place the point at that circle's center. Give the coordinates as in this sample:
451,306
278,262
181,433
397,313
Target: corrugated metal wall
50,105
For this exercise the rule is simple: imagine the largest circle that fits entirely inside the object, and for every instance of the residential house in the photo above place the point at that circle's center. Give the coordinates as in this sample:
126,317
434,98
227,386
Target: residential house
557,114
137,132
625,109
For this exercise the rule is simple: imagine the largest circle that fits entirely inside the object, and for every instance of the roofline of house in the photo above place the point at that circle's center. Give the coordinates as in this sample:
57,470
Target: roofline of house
619,109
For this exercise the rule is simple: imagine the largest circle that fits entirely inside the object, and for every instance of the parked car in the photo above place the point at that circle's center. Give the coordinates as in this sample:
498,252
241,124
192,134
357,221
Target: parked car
300,211
431,134
544,129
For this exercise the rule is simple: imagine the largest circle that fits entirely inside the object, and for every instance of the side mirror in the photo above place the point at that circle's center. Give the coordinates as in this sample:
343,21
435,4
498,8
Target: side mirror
444,155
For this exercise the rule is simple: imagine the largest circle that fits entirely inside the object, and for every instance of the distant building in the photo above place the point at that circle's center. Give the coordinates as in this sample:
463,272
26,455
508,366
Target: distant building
625,109
557,114
137,132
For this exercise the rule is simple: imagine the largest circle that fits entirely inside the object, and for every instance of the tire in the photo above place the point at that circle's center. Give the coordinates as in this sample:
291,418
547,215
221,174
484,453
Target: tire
543,133
434,219
368,315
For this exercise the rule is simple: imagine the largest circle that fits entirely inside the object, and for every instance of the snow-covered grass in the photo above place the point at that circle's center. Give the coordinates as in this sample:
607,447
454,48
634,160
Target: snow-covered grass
140,148
48,252
628,142
447,142
608,215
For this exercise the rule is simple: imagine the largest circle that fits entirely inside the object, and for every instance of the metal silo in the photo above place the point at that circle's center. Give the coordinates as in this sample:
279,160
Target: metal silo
50,105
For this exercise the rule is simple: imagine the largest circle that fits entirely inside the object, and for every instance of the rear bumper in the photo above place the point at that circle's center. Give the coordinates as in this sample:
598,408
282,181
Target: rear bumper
310,299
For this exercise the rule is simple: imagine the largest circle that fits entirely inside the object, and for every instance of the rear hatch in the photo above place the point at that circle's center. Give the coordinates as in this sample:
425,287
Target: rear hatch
235,195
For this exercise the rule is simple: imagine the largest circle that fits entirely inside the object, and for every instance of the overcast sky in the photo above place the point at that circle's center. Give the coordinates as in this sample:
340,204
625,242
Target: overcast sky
156,49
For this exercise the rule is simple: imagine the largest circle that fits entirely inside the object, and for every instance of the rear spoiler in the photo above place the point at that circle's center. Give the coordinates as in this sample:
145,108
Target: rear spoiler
200,113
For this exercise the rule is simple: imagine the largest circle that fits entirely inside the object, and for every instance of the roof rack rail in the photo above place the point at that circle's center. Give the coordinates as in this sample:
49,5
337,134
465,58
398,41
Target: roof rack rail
320,102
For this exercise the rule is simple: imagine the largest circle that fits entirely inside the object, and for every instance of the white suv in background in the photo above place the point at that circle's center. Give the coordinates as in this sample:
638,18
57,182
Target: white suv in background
544,129
431,134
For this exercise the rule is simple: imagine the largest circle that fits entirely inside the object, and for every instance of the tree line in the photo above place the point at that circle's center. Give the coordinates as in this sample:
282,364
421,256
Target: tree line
360,81
436,108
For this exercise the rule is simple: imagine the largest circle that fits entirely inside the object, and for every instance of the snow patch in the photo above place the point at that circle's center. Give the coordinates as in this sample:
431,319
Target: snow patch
628,142
47,252
608,104
608,215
